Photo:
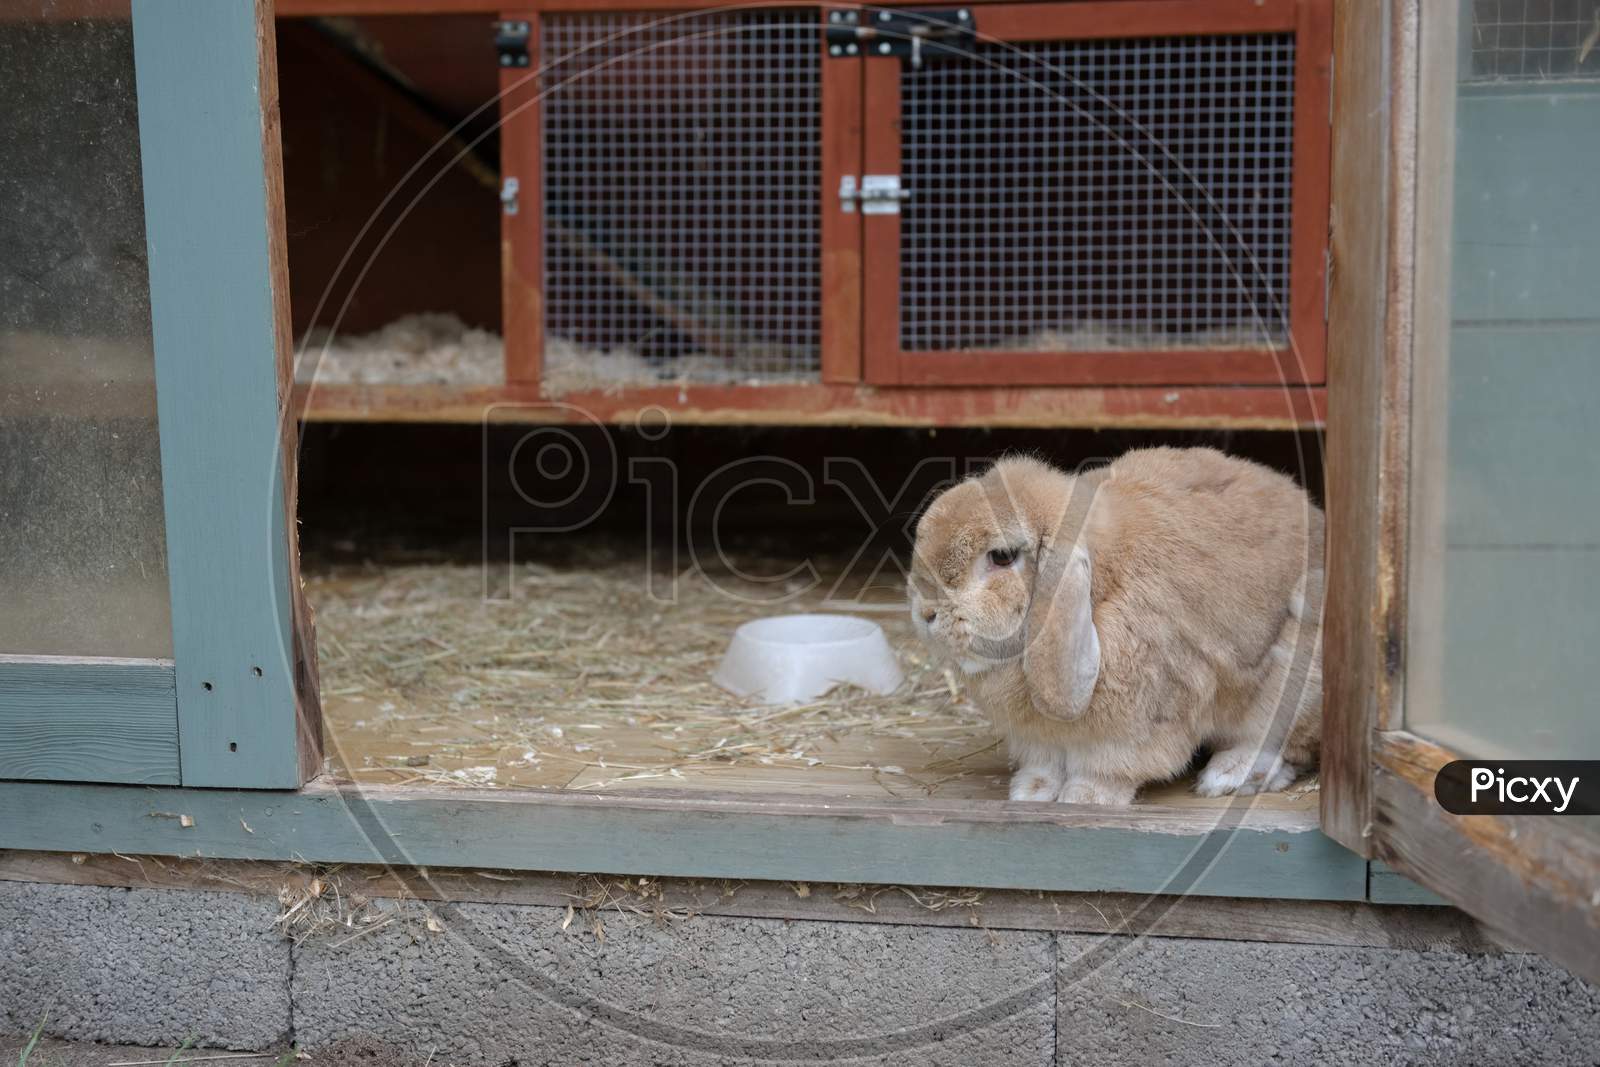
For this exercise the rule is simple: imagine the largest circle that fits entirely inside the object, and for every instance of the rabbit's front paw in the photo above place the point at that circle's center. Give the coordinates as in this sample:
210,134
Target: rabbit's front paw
1107,794
1244,771
1035,783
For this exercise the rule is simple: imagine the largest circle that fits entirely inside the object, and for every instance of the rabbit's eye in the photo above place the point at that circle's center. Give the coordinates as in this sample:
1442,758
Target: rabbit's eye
1003,557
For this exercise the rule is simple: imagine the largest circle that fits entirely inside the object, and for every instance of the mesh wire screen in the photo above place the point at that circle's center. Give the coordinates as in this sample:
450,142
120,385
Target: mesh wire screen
1534,40
682,180
1098,195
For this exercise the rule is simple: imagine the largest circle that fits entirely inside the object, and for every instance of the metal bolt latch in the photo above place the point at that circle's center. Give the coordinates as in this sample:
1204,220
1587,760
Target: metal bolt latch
878,194
904,33
508,195
841,33
511,42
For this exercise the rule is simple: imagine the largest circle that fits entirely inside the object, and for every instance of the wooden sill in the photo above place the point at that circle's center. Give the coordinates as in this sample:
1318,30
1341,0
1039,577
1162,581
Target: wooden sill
1240,850
1176,407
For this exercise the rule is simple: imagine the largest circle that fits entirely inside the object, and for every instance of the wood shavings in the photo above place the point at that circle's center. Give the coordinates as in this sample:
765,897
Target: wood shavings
433,348
419,349
1107,336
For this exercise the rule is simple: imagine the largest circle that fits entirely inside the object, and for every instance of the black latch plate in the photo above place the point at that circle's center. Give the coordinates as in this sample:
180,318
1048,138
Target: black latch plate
904,33
511,42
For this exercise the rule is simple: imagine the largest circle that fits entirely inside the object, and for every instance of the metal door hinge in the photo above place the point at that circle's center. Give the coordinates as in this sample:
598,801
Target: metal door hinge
509,190
1332,72
900,33
511,42
878,194
1327,282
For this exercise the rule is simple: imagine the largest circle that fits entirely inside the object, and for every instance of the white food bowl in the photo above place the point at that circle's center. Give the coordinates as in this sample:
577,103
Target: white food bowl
790,659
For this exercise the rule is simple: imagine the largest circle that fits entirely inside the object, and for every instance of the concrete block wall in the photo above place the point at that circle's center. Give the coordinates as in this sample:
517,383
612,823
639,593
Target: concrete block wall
504,983
1186,1001
143,966
501,983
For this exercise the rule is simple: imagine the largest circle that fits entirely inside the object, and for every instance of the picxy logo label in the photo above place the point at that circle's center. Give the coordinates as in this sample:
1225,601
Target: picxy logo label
1519,787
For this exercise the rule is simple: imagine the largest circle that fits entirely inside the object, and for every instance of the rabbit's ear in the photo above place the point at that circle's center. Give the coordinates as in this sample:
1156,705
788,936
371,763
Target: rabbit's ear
1061,659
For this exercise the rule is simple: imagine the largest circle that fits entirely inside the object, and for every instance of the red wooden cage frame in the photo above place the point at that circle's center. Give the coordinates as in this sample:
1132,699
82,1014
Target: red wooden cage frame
887,363
865,377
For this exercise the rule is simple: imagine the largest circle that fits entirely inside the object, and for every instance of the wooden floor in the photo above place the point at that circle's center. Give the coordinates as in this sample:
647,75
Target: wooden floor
858,766
615,759
578,680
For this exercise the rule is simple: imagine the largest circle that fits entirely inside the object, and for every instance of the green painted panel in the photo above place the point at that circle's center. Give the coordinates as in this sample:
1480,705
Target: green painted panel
207,221
1522,467
1518,632
1389,886
917,843
88,720
1525,226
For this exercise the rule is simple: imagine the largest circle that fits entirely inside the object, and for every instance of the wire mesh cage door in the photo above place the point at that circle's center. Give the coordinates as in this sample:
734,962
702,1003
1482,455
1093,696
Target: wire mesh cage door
666,225
1117,193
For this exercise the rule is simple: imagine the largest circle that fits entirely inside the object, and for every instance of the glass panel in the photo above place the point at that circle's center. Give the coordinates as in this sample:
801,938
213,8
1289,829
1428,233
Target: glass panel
1505,544
82,546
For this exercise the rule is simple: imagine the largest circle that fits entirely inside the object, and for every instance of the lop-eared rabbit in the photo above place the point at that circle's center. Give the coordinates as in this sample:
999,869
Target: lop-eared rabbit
1113,622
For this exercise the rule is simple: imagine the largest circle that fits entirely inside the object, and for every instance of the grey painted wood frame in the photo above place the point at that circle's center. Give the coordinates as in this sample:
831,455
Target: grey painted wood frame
101,720
1235,852
213,206
1385,885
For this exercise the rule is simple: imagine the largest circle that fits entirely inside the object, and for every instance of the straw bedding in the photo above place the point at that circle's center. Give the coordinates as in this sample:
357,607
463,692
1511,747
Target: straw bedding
576,672
579,677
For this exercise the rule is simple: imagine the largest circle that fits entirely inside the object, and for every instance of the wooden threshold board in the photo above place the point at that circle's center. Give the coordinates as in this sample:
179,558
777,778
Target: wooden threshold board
1246,849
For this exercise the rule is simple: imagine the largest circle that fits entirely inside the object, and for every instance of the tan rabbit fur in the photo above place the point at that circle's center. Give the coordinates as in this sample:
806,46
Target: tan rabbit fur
1167,602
